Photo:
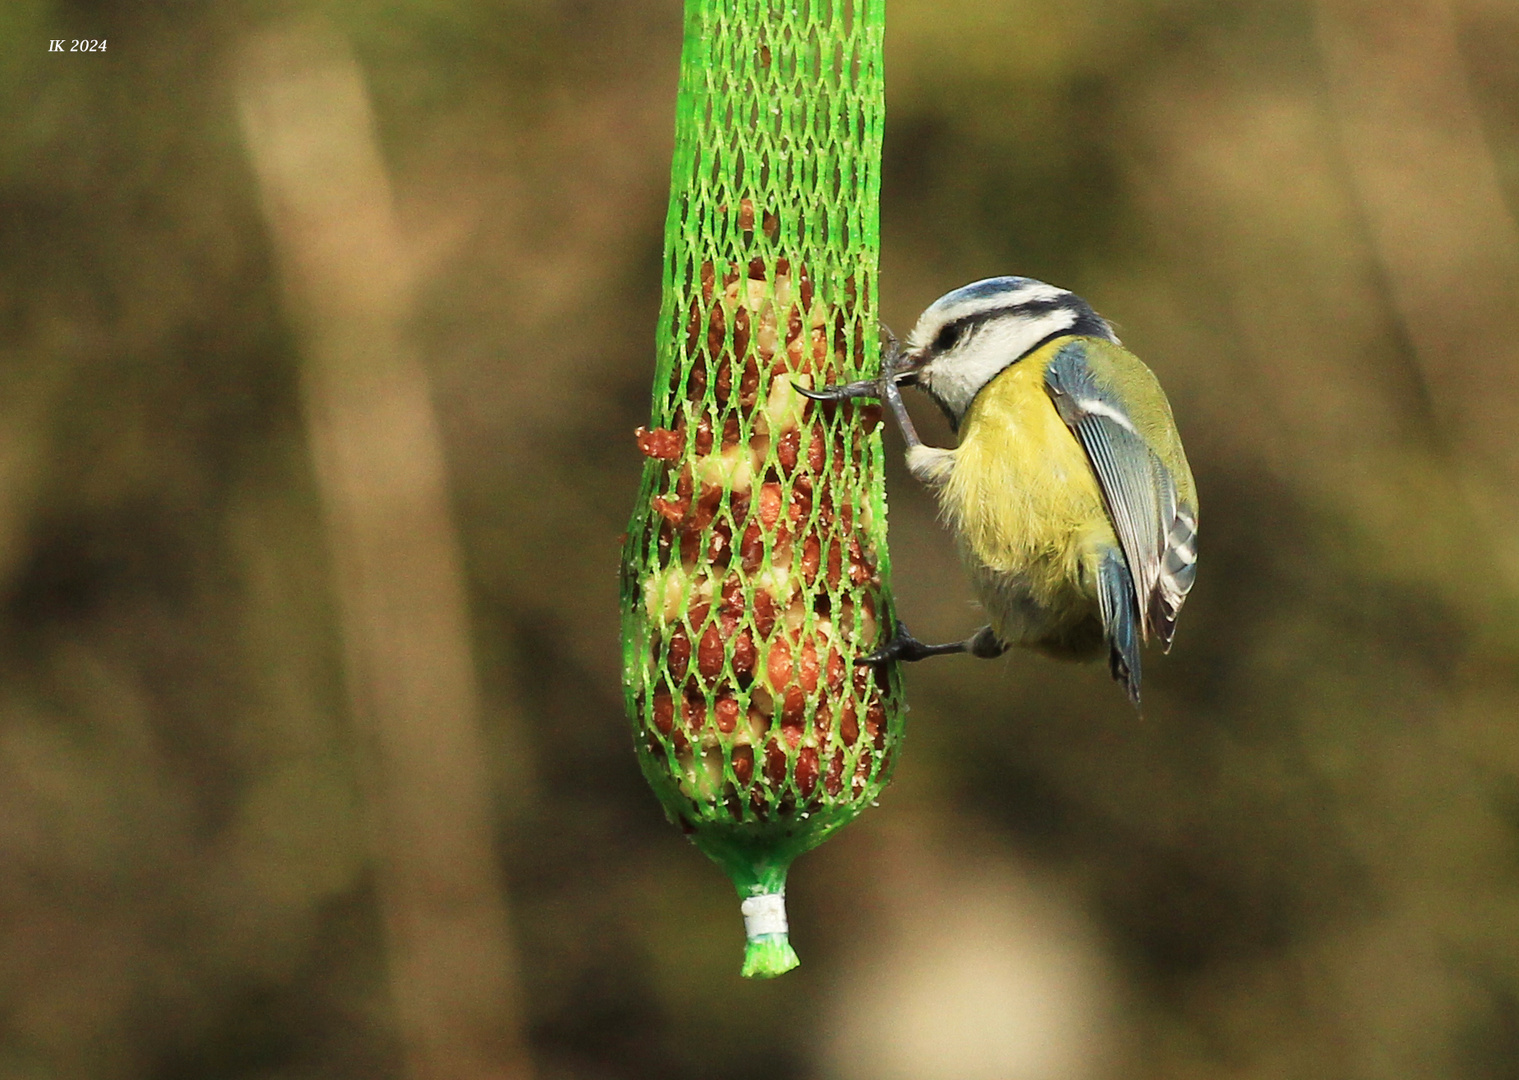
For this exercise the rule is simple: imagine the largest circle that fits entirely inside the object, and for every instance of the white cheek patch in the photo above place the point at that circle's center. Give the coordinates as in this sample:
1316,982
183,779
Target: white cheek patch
958,376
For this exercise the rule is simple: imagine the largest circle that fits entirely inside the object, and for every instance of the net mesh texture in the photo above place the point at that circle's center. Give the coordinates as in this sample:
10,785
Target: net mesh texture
756,569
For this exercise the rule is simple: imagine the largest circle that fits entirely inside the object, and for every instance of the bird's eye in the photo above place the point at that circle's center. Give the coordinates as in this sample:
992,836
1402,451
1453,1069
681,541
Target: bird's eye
948,335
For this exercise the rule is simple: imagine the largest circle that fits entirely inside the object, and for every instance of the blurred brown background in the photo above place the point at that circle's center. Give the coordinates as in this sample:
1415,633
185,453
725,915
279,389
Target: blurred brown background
323,331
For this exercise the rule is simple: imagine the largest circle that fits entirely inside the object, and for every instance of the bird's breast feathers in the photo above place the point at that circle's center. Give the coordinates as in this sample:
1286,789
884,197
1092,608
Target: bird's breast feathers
1021,492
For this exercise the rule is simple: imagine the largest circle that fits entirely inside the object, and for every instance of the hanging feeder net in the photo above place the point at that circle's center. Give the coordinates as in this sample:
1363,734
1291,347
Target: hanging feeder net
755,570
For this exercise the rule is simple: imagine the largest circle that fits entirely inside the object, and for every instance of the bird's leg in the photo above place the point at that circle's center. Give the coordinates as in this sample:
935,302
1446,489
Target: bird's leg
892,395
903,646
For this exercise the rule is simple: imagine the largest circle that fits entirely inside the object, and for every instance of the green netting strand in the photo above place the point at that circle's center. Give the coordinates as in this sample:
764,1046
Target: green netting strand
756,570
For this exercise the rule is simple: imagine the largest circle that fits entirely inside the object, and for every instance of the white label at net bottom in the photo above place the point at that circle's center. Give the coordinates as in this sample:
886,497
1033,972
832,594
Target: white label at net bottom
764,914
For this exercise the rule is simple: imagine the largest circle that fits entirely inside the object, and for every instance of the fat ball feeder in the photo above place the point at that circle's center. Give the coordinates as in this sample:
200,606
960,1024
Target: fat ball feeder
755,571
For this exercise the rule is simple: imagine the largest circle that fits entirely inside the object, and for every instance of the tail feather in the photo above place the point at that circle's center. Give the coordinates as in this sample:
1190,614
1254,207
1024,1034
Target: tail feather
1120,621
1178,570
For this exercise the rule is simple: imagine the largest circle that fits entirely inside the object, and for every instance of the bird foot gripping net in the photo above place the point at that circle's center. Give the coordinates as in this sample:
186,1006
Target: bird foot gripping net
755,570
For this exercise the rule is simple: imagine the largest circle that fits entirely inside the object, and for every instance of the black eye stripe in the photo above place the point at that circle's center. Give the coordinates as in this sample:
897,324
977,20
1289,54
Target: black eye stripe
1087,322
956,330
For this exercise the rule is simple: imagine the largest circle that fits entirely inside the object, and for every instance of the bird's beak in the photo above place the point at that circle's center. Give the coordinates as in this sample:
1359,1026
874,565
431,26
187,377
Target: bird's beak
903,367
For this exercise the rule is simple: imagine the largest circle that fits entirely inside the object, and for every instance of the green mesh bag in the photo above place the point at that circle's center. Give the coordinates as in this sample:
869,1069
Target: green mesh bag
756,570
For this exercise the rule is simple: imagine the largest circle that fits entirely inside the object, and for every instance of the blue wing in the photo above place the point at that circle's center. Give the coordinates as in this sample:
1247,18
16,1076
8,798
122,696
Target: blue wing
1152,509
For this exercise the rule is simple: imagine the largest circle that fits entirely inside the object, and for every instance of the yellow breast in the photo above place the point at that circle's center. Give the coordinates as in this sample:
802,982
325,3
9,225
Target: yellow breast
1026,506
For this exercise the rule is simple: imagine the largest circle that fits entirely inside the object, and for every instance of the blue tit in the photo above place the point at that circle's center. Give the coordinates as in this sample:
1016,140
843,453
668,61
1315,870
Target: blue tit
1069,495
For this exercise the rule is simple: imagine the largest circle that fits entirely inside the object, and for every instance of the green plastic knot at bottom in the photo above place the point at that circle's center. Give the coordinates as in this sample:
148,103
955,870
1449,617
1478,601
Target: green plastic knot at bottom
768,952
767,956
756,857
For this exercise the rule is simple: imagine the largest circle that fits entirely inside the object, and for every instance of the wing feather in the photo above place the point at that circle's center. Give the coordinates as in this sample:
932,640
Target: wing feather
1155,522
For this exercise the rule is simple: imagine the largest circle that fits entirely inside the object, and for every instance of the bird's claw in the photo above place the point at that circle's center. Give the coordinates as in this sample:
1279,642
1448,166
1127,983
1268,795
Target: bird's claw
880,387
906,648
843,391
